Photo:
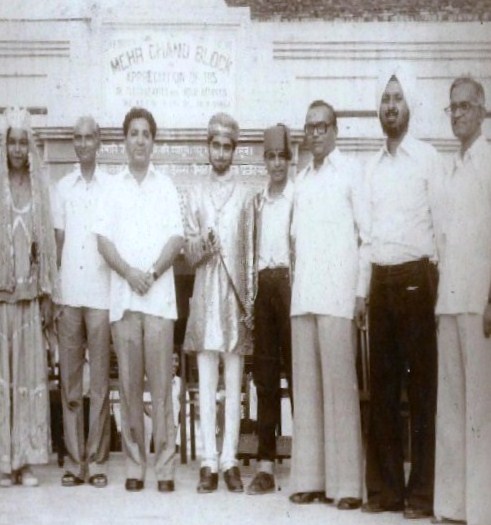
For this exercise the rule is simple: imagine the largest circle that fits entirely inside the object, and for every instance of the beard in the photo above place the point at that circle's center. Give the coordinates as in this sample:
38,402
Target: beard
220,167
395,129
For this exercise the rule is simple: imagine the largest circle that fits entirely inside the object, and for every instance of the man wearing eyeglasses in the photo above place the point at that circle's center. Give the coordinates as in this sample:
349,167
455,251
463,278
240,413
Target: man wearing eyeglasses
272,332
398,277
327,452
463,431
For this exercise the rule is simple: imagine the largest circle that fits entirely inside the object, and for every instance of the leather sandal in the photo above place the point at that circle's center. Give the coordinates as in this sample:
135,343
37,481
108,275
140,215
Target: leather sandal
70,480
98,480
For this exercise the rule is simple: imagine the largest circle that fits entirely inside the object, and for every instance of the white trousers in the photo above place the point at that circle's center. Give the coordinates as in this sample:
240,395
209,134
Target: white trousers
327,447
463,423
208,362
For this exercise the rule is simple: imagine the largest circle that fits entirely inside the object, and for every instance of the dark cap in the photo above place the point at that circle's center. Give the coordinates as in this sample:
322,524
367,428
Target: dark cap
278,138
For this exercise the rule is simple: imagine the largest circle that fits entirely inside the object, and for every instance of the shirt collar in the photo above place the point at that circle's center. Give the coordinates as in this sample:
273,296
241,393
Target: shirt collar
151,172
80,178
479,145
407,146
287,192
221,178
334,159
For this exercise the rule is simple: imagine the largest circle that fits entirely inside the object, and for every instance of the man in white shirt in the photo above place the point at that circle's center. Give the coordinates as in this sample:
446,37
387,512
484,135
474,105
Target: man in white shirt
84,318
463,431
398,245
272,331
327,451
140,233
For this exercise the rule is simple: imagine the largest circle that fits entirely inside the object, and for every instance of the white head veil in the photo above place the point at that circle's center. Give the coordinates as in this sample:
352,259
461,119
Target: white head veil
44,248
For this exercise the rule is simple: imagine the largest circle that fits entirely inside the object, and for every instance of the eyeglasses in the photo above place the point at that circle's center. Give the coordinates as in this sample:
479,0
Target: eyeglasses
273,155
320,127
463,106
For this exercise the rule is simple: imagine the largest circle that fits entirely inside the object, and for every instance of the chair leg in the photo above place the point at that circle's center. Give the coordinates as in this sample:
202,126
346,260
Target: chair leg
192,430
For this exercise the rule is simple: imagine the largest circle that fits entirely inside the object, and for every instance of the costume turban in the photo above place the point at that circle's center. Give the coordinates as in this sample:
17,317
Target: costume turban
224,125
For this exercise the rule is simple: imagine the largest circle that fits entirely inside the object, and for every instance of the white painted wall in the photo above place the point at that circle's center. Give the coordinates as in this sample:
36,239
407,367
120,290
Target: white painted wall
53,55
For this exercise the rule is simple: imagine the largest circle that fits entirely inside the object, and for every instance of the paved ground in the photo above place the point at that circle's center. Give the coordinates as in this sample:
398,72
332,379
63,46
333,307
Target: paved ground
51,504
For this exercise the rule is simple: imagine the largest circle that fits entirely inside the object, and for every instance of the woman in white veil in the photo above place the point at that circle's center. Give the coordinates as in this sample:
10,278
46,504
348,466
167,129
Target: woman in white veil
28,278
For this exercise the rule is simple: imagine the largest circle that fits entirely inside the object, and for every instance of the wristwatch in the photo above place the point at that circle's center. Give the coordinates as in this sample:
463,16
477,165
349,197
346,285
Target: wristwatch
154,273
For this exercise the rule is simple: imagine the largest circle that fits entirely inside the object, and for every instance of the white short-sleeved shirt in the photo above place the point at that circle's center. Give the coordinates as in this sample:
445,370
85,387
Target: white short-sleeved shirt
84,273
465,250
325,235
139,219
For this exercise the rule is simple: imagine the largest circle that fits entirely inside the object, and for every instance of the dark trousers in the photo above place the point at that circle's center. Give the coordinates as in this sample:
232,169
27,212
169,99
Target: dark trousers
402,345
272,349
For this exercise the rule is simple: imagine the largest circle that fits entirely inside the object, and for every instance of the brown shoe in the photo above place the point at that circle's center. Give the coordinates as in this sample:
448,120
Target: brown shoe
349,503
134,485
208,480
373,507
302,498
232,479
165,485
417,513
261,484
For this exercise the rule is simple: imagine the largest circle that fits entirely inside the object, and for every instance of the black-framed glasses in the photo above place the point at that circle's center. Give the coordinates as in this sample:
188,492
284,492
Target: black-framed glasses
273,155
464,107
320,127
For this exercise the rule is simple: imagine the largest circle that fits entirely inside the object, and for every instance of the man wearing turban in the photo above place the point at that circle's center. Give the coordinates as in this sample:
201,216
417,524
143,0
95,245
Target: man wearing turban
398,276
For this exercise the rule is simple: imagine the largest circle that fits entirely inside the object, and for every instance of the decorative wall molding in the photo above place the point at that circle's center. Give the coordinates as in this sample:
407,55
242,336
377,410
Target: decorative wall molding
381,50
34,49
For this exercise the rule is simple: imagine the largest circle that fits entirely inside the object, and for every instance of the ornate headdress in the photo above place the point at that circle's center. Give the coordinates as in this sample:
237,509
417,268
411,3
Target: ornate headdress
225,125
43,233
16,117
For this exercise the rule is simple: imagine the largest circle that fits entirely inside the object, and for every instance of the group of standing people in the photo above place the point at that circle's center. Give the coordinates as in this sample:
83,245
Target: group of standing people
402,246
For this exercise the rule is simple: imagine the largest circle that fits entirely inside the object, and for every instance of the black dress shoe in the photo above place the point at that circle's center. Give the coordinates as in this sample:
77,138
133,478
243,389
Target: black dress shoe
374,507
232,480
208,480
70,480
349,503
417,513
133,485
98,480
165,485
301,498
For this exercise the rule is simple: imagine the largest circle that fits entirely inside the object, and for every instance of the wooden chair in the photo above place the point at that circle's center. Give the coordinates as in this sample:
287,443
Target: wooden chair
189,398
248,440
